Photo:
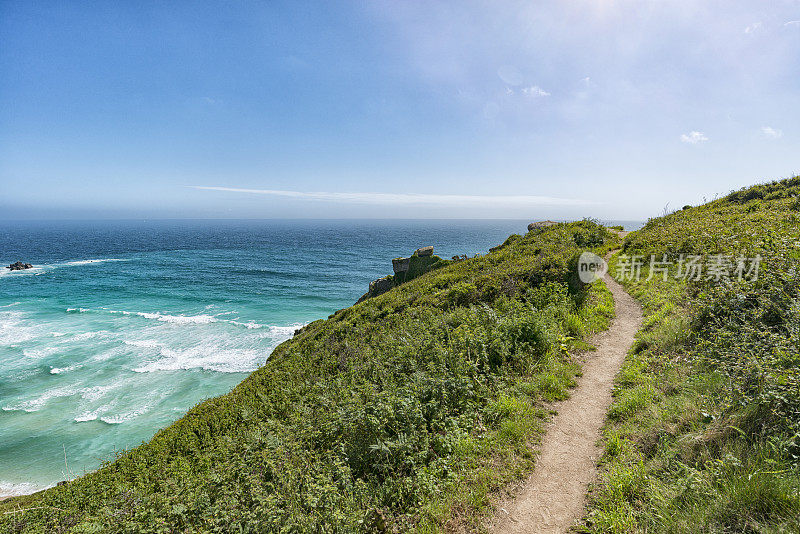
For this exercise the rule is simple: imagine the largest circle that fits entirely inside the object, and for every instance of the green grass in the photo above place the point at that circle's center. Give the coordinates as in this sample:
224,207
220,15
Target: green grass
704,432
404,412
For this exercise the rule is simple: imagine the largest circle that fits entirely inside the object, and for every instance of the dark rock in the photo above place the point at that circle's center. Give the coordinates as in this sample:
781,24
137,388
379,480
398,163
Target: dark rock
19,266
538,226
378,287
381,285
424,251
400,265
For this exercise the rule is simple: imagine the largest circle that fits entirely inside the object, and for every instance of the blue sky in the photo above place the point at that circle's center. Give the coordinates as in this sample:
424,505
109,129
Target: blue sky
601,108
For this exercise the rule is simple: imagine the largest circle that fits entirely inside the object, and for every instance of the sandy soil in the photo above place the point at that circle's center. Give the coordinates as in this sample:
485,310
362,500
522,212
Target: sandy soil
553,498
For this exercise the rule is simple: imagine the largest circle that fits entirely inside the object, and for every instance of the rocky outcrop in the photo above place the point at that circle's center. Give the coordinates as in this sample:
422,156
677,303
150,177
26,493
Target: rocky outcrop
405,269
19,266
538,226
381,285
378,287
400,265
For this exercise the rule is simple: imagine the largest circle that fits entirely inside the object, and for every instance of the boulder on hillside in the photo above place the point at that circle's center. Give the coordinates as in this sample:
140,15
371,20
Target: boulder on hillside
539,226
424,251
19,266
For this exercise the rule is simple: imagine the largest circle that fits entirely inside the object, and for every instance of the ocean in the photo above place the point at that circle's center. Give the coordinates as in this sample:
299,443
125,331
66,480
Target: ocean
122,326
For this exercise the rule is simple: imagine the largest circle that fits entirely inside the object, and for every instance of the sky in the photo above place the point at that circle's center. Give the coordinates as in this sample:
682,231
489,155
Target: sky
611,109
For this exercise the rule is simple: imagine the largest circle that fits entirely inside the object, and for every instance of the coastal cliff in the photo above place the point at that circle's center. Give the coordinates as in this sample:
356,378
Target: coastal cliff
386,415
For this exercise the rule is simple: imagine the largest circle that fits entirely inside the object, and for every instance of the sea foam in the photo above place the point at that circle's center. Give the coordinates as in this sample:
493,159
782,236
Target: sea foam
88,262
8,489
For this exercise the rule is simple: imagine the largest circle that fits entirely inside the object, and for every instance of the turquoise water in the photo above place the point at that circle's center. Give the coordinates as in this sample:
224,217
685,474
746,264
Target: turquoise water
123,326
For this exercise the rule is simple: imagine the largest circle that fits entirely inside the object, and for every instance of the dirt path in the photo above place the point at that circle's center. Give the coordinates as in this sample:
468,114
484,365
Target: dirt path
553,498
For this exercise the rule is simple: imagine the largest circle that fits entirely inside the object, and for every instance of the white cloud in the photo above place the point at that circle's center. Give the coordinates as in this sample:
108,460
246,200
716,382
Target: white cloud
753,27
510,75
771,132
795,23
407,199
694,138
535,91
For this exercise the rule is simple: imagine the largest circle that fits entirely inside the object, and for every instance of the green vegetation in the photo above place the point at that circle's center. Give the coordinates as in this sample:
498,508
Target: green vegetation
404,412
704,433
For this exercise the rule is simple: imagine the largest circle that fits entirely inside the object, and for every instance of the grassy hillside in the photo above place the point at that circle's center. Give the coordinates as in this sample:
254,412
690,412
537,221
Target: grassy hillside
704,433
402,412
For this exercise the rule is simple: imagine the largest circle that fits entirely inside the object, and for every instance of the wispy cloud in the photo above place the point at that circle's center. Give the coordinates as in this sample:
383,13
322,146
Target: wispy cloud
535,91
753,27
510,75
771,132
694,138
795,23
409,199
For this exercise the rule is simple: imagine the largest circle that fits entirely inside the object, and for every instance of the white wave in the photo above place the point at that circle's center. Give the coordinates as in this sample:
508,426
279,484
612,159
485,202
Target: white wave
88,416
77,310
249,325
179,319
143,343
127,416
34,405
59,370
285,331
97,392
42,269
90,394
10,489
216,353
274,330
87,335
10,305
39,353
207,358
36,269
88,262
59,334
14,330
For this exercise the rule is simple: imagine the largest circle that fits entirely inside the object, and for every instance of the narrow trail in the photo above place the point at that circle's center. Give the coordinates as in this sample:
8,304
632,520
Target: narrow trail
553,498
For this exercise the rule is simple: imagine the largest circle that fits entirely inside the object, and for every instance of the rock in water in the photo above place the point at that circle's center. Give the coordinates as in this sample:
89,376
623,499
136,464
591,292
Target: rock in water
19,266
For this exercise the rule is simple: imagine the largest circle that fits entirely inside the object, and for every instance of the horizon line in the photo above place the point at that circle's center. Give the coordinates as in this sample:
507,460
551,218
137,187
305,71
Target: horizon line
406,198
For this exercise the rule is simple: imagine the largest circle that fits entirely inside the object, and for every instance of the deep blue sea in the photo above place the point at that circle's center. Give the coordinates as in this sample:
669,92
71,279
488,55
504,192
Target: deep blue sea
122,326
